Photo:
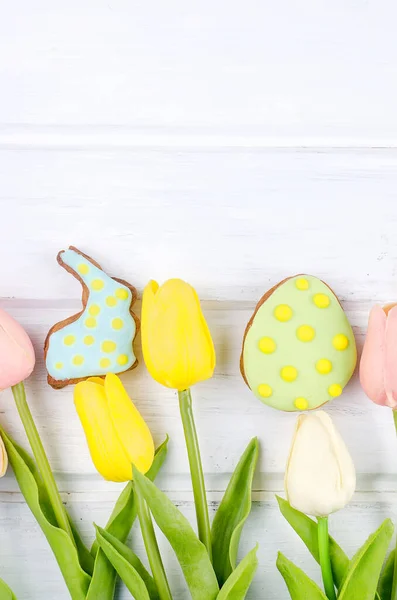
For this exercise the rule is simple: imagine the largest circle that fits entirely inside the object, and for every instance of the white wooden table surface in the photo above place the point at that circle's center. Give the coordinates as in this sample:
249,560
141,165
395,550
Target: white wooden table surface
231,144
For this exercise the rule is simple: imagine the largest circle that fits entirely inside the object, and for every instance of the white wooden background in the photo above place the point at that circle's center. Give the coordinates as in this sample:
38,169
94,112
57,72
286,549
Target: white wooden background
229,143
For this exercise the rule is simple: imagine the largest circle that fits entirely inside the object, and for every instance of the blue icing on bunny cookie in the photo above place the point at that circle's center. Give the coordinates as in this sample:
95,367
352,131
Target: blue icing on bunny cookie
100,340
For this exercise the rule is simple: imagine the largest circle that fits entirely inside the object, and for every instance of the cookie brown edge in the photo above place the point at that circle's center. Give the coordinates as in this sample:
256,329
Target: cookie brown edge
260,303
58,384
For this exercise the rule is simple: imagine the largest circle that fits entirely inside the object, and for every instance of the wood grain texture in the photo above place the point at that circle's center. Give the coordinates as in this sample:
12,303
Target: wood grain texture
229,145
233,222
312,71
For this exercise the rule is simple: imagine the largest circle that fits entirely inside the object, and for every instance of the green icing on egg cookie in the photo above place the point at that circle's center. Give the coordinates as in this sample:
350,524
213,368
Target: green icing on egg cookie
299,349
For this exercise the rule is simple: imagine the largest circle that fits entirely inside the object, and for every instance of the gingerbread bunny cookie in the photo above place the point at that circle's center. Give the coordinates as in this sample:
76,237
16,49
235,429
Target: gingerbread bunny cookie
99,339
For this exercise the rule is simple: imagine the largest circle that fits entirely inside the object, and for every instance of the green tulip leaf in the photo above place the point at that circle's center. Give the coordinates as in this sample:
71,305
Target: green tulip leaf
386,579
63,548
119,554
238,583
125,569
232,514
306,528
119,525
299,585
117,522
365,567
5,592
191,553
124,506
85,557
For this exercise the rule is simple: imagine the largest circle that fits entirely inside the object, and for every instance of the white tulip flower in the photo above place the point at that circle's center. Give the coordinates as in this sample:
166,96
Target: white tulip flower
320,477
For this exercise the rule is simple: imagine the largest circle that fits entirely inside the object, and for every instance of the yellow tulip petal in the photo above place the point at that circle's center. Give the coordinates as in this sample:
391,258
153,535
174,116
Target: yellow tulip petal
98,380
176,342
107,452
131,429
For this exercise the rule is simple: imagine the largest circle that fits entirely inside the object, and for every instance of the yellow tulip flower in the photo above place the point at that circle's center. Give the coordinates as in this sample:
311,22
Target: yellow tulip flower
176,342
116,433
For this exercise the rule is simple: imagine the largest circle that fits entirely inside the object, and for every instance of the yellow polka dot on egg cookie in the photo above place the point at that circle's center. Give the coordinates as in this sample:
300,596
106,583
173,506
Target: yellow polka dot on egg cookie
121,294
265,390
69,340
97,285
305,333
335,390
324,366
321,300
283,313
78,359
301,403
122,359
108,346
117,323
302,284
104,363
58,365
340,342
89,340
83,268
267,345
90,322
111,301
289,374
94,310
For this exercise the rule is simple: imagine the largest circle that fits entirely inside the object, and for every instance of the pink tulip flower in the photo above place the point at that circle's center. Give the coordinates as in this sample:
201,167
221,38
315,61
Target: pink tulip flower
16,352
378,366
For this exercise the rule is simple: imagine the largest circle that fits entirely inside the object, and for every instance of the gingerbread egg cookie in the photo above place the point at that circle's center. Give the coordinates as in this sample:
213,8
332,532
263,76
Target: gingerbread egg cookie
299,349
99,339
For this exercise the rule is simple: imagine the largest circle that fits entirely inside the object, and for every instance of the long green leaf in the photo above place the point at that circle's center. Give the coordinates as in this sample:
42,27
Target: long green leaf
362,577
237,585
117,553
124,507
119,525
299,585
306,528
116,524
191,553
5,592
64,550
85,559
386,579
232,514
127,572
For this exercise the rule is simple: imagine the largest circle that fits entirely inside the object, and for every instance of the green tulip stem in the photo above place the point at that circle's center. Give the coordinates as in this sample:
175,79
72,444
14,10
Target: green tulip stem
394,586
18,391
325,561
152,549
196,469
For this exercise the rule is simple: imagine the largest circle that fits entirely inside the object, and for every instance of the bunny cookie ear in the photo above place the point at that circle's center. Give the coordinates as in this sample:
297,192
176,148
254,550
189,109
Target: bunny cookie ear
99,339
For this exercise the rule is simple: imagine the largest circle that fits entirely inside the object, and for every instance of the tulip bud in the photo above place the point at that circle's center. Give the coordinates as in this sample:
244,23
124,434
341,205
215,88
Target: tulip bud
176,342
116,433
320,477
378,373
16,352
3,458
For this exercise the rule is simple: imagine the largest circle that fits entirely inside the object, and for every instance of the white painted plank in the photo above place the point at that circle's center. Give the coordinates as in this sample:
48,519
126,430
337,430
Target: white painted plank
41,577
232,222
293,71
227,413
